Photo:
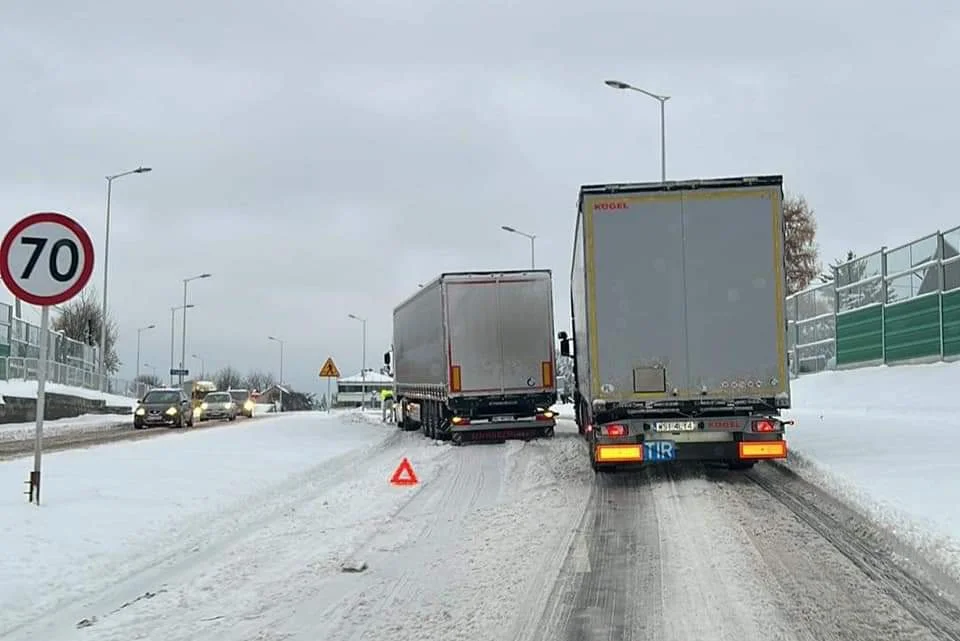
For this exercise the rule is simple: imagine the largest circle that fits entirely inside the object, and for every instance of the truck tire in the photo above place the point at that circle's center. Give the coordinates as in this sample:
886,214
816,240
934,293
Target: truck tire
456,438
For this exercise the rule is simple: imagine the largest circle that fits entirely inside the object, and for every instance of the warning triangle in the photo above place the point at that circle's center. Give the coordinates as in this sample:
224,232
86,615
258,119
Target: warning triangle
404,474
329,369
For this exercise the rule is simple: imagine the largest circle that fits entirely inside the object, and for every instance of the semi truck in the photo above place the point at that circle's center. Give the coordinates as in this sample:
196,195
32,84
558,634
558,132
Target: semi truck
474,358
678,323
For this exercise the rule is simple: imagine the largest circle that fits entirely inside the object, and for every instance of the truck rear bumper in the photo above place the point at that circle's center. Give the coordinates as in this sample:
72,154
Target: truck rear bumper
611,453
502,430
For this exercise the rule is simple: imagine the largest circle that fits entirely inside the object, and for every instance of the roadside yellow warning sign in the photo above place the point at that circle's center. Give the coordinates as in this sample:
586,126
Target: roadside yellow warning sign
329,369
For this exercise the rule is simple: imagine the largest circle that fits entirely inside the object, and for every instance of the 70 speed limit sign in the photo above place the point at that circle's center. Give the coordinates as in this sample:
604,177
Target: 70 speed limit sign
46,258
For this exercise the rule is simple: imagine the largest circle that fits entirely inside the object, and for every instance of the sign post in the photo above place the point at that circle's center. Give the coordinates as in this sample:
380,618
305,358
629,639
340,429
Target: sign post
46,259
328,371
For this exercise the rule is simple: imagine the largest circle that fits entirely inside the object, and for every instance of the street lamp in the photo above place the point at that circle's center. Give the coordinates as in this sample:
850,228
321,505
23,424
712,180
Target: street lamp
616,84
183,337
173,323
532,238
203,368
106,262
140,330
274,338
152,368
363,362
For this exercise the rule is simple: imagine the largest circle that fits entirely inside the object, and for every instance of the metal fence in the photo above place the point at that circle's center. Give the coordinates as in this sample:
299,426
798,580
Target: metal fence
892,306
15,368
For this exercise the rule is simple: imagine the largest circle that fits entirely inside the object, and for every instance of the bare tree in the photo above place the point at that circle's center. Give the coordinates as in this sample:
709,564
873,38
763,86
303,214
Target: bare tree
259,380
800,249
81,319
228,378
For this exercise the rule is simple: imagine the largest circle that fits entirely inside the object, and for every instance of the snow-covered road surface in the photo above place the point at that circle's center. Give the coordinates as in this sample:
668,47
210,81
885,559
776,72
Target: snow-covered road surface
514,541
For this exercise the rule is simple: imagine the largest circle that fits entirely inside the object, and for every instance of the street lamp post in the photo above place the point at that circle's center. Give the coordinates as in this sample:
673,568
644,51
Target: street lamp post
140,330
363,361
152,368
106,272
203,367
616,84
183,336
274,338
533,239
173,323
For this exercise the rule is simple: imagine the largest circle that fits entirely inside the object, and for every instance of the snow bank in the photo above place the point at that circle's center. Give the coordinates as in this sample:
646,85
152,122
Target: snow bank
885,439
28,389
82,423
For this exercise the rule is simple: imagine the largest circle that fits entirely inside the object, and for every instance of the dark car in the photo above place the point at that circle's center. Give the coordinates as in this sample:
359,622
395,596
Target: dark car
168,406
244,401
218,405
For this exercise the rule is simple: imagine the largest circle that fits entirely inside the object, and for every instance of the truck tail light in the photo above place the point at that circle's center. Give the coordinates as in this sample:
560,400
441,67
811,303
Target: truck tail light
545,416
454,378
615,430
459,420
546,373
764,425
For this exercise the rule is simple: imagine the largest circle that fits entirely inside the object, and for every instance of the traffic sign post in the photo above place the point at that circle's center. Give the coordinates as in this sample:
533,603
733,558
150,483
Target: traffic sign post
46,259
328,371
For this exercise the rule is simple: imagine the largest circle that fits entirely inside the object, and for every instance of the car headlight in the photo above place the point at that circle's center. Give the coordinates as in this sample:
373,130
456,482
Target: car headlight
141,411
172,411
228,405
248,405
204,406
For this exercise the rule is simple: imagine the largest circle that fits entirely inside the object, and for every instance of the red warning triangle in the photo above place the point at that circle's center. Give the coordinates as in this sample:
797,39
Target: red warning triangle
404,474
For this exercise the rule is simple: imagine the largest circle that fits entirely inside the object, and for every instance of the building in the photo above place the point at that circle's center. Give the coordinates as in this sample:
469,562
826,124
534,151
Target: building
351,389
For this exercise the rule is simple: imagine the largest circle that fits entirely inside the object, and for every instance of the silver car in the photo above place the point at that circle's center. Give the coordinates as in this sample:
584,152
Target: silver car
218,405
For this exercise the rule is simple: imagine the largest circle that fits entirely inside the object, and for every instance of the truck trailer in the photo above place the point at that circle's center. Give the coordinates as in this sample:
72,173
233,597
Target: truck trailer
679,329
474,357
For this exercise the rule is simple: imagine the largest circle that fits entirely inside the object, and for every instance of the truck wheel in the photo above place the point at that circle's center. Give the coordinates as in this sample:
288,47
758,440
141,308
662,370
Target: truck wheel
548,432
456,438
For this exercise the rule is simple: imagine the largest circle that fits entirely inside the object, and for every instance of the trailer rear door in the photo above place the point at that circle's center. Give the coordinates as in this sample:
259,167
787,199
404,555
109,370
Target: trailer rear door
501,333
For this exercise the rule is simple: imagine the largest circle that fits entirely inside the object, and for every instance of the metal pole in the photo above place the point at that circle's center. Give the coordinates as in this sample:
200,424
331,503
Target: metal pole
281,362
183,337
106,273
329,399
137,375
663,140
363,366
533,259
173,315
41,400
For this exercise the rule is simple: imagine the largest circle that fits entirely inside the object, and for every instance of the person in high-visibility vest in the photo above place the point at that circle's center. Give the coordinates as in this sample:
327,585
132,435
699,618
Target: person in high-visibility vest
386,403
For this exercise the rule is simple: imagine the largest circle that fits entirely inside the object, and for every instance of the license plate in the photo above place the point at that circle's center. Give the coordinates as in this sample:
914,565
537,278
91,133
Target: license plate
659,451
675,426
501,419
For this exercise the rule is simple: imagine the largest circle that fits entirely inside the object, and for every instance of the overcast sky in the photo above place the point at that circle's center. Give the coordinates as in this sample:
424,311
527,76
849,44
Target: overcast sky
322,158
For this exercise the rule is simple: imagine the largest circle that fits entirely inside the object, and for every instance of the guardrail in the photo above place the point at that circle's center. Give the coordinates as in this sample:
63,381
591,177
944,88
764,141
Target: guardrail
898,305
14,368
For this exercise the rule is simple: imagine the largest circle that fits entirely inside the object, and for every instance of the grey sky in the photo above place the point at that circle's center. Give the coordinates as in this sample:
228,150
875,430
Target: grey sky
323,158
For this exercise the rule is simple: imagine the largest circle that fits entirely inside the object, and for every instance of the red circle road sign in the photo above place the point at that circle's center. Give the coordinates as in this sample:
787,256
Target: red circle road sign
46,258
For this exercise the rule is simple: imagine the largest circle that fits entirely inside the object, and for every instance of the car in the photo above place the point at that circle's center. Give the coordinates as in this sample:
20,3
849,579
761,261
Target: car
244,401
163,406
218,405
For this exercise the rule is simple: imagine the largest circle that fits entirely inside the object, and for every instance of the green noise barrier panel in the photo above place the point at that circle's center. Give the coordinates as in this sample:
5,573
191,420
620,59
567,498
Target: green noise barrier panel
912,329
951,323
860,336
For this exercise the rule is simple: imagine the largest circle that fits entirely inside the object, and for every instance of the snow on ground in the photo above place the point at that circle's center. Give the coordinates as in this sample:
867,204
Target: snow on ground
28,389
885,439
117,510
82,423
241,532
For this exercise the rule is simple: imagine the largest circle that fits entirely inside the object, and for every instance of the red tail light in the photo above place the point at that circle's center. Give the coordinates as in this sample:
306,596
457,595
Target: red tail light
459,420
764,426
615,430
545,416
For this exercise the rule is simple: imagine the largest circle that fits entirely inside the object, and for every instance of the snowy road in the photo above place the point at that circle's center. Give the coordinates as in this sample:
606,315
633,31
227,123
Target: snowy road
511,541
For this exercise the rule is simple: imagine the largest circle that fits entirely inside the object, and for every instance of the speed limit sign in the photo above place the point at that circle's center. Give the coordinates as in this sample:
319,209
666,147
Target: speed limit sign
46,258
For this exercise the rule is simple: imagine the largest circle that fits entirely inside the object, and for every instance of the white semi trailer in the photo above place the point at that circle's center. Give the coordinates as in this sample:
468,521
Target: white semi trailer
679,331
474,358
